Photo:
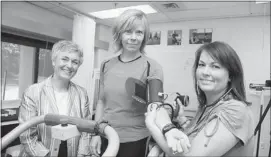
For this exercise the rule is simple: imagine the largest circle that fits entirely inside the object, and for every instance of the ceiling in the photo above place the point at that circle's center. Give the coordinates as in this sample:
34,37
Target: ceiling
178,10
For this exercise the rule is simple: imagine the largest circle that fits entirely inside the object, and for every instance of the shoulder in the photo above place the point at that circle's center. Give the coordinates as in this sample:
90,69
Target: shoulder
79,88
154,65
111,59
151,61
35,88
108,61
233,106
155,69
234,110
237,117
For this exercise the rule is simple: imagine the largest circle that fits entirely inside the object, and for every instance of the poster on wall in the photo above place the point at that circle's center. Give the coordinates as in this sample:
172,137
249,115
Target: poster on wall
200,36
154,38
174,37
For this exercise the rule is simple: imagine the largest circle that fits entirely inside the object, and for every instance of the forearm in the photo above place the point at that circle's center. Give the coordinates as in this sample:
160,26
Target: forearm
159,138
99,110
167,140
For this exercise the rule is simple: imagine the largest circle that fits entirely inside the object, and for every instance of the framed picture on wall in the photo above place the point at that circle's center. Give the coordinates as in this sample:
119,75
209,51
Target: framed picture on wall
154,38
200,36
174,37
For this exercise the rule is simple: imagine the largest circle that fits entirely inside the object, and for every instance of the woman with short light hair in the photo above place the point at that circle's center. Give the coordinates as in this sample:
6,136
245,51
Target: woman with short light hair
59,95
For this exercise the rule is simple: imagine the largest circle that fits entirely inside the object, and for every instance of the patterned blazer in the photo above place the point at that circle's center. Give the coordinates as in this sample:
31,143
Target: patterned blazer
38,100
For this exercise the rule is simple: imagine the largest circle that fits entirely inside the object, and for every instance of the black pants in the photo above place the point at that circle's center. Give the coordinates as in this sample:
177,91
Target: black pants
129,149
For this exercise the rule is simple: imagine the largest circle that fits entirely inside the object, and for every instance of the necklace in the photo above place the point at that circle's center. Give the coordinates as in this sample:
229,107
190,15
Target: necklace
212,104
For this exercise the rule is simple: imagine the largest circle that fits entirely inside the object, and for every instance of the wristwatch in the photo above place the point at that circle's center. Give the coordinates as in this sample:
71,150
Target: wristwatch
167,128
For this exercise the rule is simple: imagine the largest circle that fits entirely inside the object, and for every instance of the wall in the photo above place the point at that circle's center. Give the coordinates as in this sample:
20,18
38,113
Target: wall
25,16
249,36
103,33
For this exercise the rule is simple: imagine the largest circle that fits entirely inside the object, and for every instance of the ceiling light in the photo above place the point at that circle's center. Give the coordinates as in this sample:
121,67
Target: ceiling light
170,5
261,1
112,13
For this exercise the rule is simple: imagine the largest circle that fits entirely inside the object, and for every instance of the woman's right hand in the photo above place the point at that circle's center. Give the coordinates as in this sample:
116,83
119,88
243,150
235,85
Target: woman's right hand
95,144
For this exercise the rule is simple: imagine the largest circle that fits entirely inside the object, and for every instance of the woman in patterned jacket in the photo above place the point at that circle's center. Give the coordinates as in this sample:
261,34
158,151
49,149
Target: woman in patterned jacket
58,95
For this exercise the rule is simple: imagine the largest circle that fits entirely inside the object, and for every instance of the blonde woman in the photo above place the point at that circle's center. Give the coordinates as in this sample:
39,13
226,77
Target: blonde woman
123,82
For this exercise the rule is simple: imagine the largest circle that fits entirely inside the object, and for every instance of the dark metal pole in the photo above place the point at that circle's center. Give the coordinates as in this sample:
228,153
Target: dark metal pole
259,133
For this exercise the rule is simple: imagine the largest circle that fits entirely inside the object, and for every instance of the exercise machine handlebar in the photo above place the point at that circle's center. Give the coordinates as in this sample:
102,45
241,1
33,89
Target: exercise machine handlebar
83,125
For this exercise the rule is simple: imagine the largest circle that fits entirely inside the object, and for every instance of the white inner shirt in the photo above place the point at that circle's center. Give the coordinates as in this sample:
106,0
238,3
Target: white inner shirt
62,101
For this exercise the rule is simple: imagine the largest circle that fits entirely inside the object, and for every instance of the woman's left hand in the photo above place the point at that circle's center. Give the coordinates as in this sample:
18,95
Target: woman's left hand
177,141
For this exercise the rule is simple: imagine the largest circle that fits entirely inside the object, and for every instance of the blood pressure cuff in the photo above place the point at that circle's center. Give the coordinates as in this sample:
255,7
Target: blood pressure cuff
144,93
155,86
147,92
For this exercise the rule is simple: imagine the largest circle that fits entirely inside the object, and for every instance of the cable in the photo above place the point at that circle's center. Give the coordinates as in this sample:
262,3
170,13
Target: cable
165,94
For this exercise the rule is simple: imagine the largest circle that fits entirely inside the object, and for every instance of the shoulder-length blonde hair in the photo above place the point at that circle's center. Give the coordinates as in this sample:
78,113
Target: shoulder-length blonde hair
125,22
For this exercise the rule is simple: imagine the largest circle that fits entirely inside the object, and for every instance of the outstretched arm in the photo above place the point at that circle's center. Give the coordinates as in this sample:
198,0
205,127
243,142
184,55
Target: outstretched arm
218,136
169,144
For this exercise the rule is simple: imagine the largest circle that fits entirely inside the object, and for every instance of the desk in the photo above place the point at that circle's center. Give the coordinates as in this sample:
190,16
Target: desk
7,126
10,112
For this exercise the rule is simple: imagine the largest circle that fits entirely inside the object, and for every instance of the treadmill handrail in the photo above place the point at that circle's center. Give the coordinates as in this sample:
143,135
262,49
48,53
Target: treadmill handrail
83,125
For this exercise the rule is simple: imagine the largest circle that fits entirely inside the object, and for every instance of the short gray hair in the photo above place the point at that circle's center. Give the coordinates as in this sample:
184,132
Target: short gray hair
126,21
67,46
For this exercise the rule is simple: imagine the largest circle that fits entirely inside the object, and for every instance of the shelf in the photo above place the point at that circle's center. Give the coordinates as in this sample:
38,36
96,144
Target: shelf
9,122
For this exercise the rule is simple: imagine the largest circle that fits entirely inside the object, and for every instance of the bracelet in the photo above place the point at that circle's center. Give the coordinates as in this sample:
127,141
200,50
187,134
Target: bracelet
167,128
99,127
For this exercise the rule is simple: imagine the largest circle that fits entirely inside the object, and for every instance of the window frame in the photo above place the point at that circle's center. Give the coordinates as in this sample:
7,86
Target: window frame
6,36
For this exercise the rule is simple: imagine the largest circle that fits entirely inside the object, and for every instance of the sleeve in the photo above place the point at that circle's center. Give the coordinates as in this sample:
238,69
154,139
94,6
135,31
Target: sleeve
237,119
155,79
29,138
156,71
84,142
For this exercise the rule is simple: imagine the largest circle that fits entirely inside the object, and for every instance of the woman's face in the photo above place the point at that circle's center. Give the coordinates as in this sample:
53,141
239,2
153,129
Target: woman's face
132,39
66,65
211,76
